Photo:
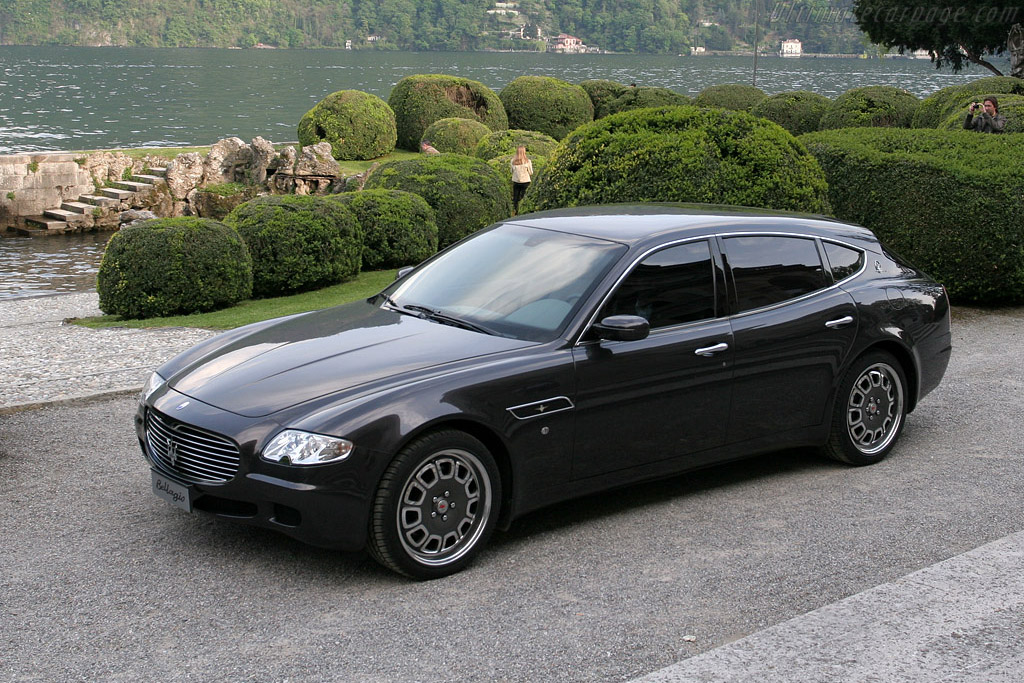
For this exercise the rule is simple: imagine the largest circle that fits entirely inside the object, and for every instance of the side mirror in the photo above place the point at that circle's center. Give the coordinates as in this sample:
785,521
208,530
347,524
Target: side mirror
622,328
402,272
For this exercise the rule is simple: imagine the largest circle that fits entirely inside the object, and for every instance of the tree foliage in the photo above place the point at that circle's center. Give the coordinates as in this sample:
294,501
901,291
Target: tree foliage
954,32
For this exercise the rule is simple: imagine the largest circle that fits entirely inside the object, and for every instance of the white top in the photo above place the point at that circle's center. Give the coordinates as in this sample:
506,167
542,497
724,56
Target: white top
521,173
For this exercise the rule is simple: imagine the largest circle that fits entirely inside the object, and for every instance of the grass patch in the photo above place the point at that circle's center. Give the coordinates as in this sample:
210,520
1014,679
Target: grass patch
354,167
254,310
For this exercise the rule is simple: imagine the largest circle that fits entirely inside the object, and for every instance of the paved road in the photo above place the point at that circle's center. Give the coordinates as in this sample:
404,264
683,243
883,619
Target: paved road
99,580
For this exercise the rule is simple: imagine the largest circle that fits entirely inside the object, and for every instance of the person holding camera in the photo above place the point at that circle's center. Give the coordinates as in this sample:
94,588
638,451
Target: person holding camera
985,117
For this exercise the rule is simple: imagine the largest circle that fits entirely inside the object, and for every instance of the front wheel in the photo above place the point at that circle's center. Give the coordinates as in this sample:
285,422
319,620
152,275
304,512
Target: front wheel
869,410
435,506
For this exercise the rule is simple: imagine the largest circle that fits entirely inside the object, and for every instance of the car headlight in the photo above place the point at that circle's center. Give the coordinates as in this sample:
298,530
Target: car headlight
154,382
292,447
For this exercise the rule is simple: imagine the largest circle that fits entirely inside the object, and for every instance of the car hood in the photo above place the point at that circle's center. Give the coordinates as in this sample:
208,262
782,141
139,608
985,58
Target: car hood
325,352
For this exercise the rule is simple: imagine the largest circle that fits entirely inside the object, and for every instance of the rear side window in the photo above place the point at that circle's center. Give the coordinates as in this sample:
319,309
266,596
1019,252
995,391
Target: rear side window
670,287
770,269
843,260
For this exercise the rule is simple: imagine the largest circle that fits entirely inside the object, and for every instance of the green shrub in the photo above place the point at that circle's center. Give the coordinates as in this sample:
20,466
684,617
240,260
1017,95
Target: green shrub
358,125
940,105
546,105
735,96
680,154
420,100
874,106
399,228
602,91
465,193
950,202
173,266
298,243
455,135
504,142
640,98
1010,106
798,112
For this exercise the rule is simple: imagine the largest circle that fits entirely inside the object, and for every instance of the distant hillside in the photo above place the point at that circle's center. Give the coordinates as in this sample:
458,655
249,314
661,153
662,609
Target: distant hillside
650,26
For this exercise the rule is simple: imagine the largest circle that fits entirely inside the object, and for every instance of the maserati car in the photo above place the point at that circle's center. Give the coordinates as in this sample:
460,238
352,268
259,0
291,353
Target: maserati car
549,356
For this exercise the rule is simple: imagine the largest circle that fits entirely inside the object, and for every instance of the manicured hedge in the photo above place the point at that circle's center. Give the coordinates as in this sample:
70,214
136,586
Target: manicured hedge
173,266
420,100
798,112
399,228
455,135
465,193
950,202
873,106
735,96
506,141
602,91
940,105
681,154
546,105
640,98
1010,106
358,125
298,243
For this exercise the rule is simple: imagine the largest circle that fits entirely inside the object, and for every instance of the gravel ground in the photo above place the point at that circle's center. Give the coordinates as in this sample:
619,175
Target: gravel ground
100,580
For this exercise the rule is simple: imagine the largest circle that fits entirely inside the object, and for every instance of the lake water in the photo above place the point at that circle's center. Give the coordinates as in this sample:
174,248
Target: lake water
64,98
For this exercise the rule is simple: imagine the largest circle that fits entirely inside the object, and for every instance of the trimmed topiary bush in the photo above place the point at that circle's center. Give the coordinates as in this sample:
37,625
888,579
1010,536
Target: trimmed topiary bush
940,105
399,228
602,91
1010,106
798,112
504,142
950,202
640,98
682,154
465,193
874,106
546,105
735,96
455,135
172,266
298,243
357,124
420,100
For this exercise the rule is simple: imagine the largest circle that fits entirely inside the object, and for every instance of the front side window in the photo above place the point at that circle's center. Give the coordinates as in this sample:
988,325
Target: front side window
770,269
670,287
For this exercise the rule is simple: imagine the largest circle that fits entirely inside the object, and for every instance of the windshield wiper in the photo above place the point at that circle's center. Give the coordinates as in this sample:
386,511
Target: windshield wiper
444,318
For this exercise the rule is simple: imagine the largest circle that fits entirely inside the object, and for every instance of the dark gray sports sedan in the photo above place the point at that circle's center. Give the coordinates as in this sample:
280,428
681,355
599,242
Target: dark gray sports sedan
549,356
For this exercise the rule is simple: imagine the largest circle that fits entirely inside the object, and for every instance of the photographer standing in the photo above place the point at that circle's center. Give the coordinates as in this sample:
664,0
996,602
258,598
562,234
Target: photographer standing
985,118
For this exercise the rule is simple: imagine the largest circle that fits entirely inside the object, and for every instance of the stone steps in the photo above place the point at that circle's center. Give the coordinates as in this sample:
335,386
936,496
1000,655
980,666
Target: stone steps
77,207
159,171
132,186
60,214
43,224
98,200
116,193
149,179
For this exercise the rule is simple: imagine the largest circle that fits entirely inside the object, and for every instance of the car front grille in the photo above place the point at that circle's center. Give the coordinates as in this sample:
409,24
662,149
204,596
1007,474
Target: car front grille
194,454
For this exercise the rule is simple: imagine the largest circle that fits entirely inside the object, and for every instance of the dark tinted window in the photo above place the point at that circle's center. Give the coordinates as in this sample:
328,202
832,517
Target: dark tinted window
673,286
843,260
767,270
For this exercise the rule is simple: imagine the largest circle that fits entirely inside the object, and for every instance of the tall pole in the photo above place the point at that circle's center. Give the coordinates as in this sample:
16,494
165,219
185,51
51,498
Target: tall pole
757,38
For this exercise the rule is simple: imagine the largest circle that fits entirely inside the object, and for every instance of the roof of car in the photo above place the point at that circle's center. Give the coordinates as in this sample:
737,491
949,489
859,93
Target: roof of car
635,223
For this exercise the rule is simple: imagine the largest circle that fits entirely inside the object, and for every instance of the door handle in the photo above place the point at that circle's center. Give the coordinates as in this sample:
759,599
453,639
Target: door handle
840,322
709,351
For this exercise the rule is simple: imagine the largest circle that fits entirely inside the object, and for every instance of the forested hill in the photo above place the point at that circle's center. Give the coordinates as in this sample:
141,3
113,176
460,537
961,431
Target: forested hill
652,26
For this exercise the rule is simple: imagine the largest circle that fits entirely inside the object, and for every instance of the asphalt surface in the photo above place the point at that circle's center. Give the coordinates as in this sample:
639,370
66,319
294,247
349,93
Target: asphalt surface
760,570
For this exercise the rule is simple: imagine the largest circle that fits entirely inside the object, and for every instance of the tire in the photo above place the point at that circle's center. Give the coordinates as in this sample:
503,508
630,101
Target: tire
435,506
870,409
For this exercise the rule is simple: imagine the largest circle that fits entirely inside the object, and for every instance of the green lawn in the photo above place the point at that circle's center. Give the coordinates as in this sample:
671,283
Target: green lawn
253,310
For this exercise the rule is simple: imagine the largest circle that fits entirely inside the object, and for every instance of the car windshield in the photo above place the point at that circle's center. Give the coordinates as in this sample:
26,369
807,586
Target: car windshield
511,281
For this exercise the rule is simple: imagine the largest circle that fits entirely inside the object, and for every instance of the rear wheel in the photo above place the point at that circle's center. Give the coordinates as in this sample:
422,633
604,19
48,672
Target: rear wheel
435,506
869,410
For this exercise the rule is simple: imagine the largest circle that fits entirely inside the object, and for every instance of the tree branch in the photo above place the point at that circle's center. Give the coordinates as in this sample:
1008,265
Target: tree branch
981,62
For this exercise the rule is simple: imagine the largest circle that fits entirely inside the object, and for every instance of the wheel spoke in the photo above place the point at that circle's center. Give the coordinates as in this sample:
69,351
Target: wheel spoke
874,408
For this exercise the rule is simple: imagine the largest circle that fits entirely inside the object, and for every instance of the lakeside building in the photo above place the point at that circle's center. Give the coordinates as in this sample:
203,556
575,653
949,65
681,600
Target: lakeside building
568,44
791,48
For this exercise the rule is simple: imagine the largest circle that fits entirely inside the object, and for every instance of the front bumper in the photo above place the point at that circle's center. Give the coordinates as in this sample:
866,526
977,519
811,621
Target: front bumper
323,505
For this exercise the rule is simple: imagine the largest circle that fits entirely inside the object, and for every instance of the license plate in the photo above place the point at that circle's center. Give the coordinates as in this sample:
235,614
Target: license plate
171,491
